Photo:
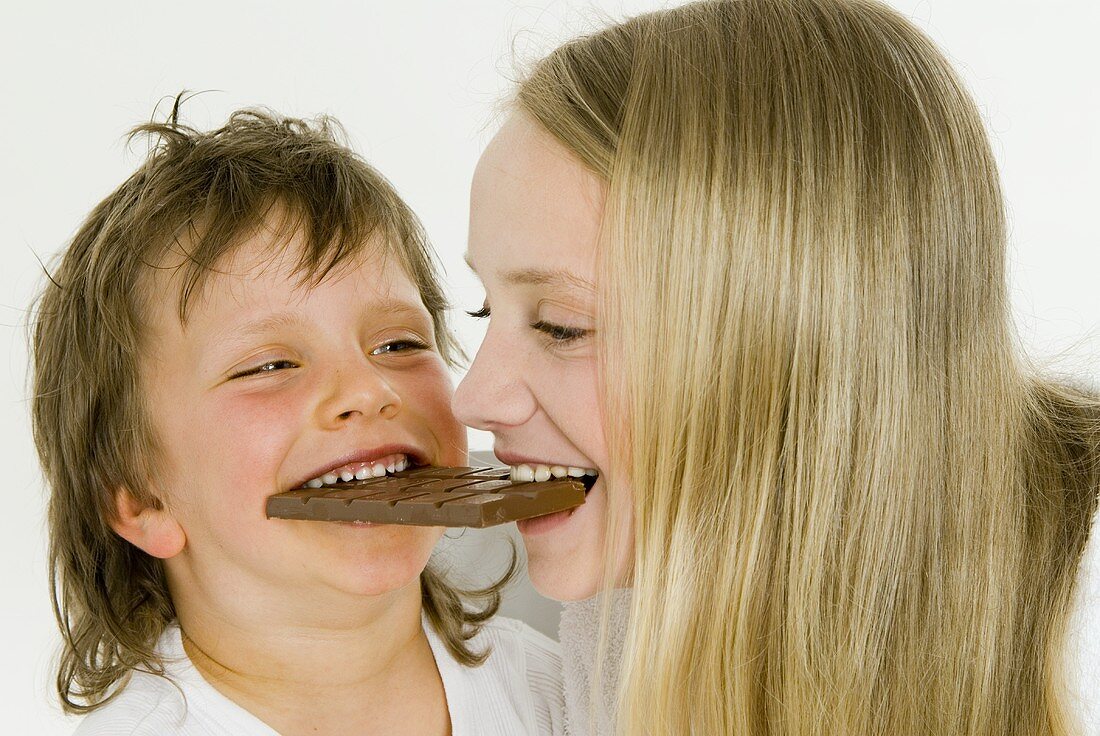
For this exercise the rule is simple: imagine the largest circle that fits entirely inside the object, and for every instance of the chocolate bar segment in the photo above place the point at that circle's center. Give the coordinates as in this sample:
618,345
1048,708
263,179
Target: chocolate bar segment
431,496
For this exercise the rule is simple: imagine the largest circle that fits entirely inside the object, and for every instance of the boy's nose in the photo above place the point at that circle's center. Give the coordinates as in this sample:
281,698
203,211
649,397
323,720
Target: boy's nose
494,394
359,391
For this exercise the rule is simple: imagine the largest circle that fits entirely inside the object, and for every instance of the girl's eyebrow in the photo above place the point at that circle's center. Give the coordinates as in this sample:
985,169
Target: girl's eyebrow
555,277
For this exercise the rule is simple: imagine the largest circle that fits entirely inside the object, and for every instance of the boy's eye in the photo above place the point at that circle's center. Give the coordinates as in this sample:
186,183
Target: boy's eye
560,334
399,346
269,367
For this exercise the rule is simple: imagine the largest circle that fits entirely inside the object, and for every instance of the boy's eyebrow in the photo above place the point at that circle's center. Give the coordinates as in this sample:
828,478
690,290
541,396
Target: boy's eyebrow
274,322
266,324
555,277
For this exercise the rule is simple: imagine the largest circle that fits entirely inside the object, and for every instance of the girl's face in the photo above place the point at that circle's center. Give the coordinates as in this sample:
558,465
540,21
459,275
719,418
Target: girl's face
534,221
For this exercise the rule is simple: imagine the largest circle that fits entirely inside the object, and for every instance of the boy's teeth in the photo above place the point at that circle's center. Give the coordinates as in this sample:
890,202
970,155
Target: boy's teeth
539,473
361,471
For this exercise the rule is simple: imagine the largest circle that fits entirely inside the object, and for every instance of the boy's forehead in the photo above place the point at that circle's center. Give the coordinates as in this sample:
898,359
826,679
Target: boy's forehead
267,264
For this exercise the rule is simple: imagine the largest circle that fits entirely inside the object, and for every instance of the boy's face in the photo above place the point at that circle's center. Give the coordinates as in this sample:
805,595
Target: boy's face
271,384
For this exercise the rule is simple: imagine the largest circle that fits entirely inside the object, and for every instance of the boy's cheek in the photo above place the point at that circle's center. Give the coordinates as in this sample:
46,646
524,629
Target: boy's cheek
427,395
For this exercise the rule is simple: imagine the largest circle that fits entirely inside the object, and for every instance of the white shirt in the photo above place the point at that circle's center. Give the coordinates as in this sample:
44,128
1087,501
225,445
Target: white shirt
517,691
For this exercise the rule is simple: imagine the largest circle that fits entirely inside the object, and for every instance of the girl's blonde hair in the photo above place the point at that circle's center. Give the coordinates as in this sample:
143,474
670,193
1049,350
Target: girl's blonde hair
91,421
857,509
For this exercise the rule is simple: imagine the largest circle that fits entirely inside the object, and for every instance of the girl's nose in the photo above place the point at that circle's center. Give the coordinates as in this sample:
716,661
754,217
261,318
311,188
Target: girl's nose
494,395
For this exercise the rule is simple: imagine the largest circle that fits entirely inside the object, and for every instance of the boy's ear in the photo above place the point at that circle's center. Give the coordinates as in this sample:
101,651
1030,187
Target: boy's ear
153,530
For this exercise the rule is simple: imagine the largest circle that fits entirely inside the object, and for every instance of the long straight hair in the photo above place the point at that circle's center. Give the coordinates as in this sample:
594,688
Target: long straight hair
857,508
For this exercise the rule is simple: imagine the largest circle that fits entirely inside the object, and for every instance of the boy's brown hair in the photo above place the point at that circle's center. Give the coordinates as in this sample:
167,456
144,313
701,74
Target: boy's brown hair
197,195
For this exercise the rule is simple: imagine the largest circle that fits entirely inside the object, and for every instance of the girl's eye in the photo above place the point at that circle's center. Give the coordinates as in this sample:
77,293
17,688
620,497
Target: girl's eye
269,367
481,313
560,334
399,346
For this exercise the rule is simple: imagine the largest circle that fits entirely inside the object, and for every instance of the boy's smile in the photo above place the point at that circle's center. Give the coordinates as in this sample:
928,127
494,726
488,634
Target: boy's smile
273,384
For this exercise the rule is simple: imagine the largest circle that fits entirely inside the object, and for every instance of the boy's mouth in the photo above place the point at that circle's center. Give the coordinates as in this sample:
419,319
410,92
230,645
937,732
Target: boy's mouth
538,473
361,470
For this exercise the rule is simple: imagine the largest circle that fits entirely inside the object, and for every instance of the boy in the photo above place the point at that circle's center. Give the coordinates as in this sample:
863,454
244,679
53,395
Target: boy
254,309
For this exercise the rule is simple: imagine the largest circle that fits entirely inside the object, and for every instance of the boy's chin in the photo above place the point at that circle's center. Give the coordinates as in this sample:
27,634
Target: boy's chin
379,579
377,564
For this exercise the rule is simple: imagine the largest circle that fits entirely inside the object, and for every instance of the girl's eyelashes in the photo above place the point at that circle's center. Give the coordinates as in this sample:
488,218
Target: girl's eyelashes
270,366
560,334
480,313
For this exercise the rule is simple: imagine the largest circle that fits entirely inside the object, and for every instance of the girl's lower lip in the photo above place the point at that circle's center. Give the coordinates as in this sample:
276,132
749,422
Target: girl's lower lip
543,524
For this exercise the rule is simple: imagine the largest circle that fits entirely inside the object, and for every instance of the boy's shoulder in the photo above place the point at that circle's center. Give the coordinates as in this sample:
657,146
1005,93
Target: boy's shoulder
178,703
537,654
513,632
147,705
517,689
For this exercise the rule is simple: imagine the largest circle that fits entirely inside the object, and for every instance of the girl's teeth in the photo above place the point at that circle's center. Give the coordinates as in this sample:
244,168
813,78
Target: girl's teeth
347,475
539,473
362,473
379,470
328,479
315,483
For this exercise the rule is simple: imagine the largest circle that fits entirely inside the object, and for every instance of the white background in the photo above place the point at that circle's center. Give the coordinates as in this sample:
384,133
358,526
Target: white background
418,84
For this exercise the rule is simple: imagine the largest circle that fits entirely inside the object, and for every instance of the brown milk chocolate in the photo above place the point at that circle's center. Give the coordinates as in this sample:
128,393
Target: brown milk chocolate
431,496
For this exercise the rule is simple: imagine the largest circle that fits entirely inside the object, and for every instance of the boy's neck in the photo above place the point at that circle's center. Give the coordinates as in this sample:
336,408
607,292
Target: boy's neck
361,672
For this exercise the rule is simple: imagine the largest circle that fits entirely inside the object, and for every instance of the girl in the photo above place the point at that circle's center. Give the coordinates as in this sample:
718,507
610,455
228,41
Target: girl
746,259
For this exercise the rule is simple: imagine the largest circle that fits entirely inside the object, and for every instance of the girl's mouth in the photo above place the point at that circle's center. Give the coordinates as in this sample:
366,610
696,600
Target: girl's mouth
538,473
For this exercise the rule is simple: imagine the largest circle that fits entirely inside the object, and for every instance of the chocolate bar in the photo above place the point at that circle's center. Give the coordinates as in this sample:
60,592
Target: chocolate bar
431,496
